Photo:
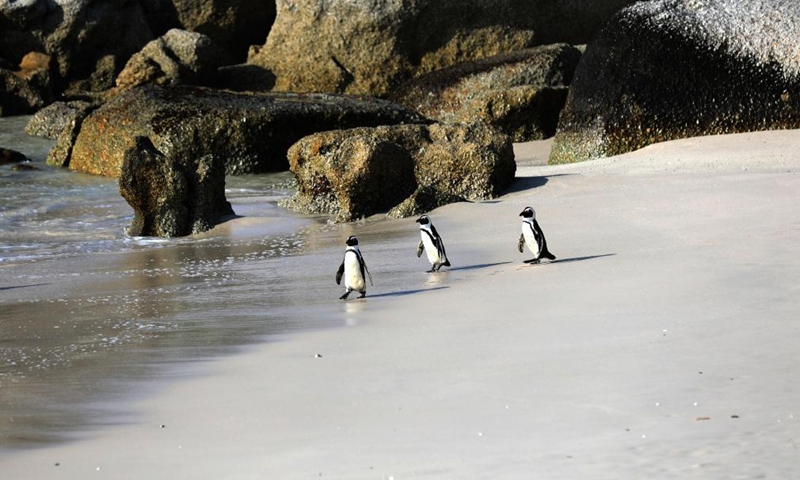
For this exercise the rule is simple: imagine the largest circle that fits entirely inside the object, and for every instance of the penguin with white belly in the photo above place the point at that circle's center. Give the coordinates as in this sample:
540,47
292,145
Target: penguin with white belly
533,236
432,243
354,270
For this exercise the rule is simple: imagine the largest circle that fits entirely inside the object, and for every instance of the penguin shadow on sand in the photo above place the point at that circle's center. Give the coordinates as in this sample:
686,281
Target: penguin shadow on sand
582,259
403,293
566,260
479,266
23,286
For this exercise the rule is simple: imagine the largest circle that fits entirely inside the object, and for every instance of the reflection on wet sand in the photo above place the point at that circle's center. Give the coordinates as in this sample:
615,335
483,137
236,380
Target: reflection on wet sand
69,353
89,332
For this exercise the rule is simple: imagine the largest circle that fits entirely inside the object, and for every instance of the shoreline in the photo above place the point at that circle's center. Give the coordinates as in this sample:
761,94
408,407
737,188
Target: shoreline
659,343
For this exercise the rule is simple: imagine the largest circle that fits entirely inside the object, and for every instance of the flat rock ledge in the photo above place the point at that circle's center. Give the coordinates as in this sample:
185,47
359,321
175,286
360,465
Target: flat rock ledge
250,132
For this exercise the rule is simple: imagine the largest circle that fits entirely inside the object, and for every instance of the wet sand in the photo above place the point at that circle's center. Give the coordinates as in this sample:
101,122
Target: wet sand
661,343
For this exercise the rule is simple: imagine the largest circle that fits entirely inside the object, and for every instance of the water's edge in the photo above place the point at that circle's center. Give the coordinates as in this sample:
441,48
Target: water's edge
90,318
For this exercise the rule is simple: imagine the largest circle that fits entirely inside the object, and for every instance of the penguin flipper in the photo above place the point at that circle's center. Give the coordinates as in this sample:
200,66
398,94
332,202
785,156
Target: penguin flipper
339,274
365,269
521,243
369,275
420,248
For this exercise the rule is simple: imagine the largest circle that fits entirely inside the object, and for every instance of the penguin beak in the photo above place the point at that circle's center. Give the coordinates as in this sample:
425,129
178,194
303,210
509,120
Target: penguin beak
521,213
418,220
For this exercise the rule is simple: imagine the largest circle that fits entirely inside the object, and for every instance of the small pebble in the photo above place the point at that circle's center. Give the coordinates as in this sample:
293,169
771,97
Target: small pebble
318,355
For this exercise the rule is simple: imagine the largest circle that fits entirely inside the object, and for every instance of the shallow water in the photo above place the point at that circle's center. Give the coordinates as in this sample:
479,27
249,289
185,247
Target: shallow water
91,318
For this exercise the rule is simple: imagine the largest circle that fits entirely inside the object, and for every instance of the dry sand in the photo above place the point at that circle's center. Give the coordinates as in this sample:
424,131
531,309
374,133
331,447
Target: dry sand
661,344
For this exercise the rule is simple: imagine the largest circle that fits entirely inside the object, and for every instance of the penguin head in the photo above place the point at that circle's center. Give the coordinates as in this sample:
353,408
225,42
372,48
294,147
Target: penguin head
528,213
352,241
423,220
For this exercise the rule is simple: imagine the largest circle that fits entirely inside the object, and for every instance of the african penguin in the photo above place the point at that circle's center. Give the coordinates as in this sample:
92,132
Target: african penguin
353,269
533,236
432,244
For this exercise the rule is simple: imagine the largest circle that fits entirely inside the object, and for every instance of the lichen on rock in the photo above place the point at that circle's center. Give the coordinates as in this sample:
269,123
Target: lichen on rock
401,169
669,69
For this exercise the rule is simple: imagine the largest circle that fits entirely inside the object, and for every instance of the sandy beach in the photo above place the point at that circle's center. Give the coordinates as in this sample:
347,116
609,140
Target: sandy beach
662,342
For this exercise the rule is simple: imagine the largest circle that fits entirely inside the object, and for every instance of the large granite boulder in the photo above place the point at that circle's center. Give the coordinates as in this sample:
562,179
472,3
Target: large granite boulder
520,93
172,196
176,58
234,25
252,132
89,40
404,169
367,47
351,174
668,69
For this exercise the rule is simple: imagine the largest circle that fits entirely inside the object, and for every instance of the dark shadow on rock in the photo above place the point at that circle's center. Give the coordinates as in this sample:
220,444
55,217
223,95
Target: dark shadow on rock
403,293
24,286
228,218
527,183
475,267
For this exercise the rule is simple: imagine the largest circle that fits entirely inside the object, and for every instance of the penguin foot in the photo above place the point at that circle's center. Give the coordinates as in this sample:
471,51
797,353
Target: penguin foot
363,295
430,271
533,261
344,297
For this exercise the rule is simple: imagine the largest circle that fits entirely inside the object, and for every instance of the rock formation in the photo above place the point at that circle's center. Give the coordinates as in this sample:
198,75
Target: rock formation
366,47
408,169
52,120
670,69
176,58
234,25
27,87
252,132
520,93
89,41
11,156
172,196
